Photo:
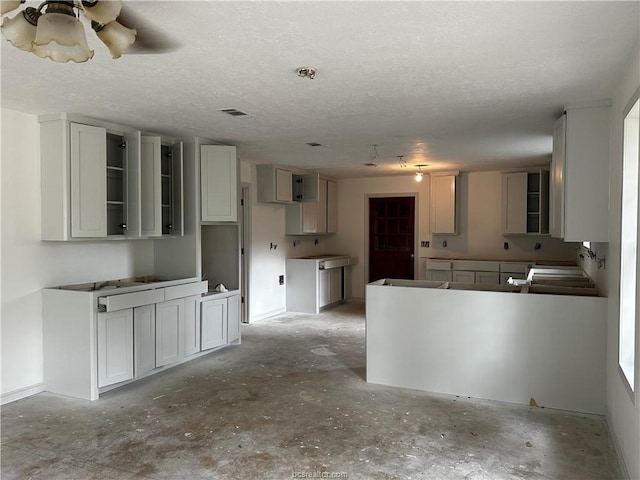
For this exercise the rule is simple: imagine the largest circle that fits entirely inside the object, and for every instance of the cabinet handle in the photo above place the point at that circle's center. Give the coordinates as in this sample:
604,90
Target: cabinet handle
123,226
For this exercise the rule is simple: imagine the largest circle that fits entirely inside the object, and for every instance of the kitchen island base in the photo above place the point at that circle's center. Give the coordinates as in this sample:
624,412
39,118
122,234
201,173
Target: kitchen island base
495,345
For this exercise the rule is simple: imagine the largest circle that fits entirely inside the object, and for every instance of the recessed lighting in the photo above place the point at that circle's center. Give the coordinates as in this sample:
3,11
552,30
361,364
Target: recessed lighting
306,72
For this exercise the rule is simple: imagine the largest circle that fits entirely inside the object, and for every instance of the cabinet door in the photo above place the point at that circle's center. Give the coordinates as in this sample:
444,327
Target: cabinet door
310,217
219,183
332,206
233,319
284,185
443,204
324,288
191,325
463,277
214,323
134,141
439,275
335,285
88,155
150,187
115,347
514,203
144,334
556,195
488,278
177,197
169,332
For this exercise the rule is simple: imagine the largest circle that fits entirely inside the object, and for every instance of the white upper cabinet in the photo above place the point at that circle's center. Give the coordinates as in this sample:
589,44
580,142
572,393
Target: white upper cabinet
525,202
275,184
314,217
150,187
580,175
443,208
100,180
306,188
88,150
219,183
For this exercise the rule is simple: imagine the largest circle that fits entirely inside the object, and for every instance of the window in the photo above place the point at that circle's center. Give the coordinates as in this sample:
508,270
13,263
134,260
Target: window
629,244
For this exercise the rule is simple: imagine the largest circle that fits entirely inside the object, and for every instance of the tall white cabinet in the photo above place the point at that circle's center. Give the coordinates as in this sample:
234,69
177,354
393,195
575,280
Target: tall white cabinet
579,199
219,183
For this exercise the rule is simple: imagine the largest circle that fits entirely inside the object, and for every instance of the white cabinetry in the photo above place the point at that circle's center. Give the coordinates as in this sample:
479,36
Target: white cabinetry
580,175
214,323
443,208
100,180
330,286
144,334
191,325
275,184
115,347
219,183
314,216
525,202
169,332
150,186
88,150
220,320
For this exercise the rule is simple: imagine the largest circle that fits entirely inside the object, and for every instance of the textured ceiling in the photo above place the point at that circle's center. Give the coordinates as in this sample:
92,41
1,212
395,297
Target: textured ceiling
463,85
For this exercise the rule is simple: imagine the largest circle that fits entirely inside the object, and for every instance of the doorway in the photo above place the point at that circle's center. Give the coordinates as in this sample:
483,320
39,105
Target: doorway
391,238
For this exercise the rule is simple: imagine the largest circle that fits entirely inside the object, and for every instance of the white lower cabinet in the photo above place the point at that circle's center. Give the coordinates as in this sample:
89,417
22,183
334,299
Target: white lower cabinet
329,287
464,277
191,325
169,332
488,278
115,347
144,334
220,320
214,323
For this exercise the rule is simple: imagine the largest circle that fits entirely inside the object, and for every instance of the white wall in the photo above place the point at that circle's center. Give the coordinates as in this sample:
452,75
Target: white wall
479,223
623,407
29,264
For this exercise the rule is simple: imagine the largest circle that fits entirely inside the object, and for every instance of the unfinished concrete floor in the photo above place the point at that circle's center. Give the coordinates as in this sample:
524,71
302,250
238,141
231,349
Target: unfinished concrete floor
292,400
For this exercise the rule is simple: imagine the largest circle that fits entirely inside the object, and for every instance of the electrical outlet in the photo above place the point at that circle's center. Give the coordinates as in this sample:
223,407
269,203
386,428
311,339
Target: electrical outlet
424,244
506,245
281,279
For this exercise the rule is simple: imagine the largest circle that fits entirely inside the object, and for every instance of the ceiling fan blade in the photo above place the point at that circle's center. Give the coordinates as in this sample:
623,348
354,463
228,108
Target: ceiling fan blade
150,38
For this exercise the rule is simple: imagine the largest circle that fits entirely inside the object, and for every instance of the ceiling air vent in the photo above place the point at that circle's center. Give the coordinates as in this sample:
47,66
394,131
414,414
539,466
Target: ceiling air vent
314,144
233,112
370,164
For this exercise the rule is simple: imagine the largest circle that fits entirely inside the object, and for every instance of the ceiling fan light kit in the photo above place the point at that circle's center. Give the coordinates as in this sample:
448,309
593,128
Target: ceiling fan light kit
59,35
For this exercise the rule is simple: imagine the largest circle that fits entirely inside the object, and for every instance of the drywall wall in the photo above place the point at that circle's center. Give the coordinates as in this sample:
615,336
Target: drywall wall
480,223
28,264
220,255
623,406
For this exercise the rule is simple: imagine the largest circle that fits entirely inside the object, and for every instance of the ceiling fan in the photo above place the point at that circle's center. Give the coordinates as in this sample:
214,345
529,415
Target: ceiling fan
53,29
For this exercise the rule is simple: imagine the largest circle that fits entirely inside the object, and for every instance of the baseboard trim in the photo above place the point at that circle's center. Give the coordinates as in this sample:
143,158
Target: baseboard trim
264,316
616,446
21,393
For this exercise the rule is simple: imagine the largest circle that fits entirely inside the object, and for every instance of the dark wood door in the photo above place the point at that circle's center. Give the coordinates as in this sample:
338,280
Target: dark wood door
391,237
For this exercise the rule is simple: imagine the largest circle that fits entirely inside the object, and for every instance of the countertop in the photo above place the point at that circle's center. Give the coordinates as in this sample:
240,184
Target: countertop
126,285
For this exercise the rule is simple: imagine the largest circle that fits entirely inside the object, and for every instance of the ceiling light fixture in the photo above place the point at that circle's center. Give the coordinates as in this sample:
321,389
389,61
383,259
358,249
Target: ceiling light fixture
307,72
402,161
419,173
58,33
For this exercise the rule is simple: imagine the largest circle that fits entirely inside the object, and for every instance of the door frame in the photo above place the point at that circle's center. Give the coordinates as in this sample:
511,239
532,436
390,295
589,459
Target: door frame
416,232
245,250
